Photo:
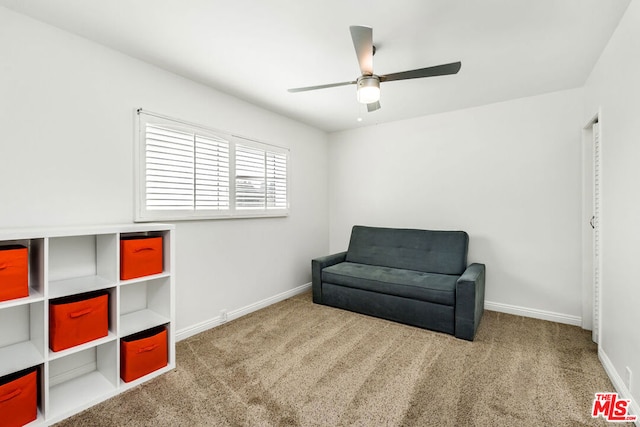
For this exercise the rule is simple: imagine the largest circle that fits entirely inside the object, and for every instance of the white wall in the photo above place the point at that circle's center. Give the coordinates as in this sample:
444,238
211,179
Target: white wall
507,173
614,88
66,149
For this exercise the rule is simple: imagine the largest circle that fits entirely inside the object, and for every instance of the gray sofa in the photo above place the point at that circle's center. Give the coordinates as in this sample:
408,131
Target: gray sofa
416,277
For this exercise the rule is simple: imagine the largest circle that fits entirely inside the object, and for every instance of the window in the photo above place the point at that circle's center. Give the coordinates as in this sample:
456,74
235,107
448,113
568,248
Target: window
187,171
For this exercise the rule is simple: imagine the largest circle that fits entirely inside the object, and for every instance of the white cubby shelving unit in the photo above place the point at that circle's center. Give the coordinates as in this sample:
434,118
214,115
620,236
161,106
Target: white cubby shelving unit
70,261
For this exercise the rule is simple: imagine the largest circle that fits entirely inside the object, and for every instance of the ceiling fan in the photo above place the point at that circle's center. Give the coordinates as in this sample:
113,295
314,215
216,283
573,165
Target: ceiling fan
368,84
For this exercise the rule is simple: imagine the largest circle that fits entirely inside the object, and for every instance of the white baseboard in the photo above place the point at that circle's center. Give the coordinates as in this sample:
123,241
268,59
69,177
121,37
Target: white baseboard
217,321
618,384
534,313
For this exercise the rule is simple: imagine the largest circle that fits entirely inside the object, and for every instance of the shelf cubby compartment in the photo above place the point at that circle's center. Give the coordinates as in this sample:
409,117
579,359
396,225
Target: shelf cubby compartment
166,251
80,379
144,305
144,355
36,249
82,264
29,383
22,337
112,334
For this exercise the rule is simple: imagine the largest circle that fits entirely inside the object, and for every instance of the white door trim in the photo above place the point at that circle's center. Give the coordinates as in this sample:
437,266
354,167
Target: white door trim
591,220
597,231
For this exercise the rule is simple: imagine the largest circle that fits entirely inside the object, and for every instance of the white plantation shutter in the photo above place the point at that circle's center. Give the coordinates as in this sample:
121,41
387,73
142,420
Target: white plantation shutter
276,166
250,178
261,178
212,173
169,169
186,171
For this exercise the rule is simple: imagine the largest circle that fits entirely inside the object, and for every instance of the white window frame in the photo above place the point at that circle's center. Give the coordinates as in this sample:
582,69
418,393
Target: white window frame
144,214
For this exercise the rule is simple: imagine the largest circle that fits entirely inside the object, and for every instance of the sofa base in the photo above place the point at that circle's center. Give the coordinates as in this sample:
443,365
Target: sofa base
436,317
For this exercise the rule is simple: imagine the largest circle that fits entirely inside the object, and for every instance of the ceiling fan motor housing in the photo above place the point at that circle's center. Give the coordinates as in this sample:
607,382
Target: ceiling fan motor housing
368,89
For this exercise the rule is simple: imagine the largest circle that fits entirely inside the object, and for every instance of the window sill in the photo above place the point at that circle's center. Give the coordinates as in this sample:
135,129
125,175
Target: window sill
209,217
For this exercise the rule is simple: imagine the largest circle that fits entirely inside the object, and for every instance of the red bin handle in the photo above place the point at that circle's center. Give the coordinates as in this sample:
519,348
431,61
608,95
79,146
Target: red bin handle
4,266
136,250
148,348
11,395
80,313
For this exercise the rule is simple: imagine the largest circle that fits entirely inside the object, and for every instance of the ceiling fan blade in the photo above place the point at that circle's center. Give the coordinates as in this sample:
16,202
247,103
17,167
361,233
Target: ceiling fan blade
373,106
438,70
304,89
363,42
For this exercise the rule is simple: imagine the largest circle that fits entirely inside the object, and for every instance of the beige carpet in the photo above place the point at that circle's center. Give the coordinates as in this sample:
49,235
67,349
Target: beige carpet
297,363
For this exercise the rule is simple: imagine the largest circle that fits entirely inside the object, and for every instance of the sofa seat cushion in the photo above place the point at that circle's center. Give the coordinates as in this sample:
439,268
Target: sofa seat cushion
430,287
442,252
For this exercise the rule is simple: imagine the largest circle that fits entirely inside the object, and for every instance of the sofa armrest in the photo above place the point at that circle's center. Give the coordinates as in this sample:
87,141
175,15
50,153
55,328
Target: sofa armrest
469,301
317,265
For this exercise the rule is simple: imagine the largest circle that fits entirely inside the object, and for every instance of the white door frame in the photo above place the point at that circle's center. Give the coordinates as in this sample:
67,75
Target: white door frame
591,227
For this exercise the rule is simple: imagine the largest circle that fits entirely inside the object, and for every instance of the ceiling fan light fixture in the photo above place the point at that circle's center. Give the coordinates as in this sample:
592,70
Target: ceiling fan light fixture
368,89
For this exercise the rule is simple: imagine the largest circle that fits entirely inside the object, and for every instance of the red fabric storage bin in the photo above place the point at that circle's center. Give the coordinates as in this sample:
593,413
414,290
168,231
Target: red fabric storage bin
19,398
78,319
140,256
14,272
143,353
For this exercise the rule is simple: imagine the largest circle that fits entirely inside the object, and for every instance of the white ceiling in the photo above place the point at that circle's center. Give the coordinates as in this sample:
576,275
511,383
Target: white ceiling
256,49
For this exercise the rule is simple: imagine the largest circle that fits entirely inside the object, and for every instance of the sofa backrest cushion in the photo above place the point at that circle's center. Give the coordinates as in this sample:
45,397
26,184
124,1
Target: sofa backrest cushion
443,252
